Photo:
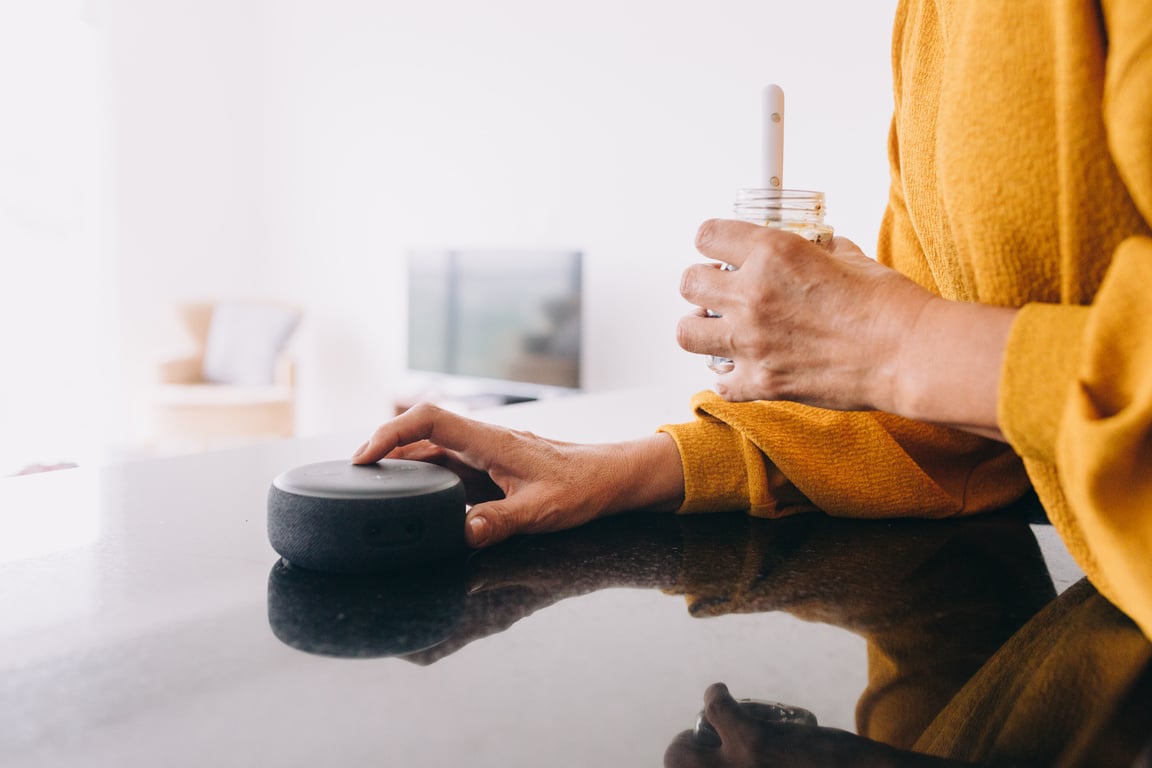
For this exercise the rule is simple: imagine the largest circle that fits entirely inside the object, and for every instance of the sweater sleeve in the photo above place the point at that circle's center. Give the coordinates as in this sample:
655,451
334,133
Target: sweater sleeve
777,458
1087,414
1076,388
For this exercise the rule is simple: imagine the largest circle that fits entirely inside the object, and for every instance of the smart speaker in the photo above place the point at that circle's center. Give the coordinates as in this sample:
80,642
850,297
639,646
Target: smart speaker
338,517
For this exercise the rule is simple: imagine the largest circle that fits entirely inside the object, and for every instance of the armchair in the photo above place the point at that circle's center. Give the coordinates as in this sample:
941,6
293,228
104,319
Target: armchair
237,384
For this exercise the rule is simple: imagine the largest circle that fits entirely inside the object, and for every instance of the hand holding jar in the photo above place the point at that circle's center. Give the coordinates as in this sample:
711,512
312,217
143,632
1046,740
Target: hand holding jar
818,323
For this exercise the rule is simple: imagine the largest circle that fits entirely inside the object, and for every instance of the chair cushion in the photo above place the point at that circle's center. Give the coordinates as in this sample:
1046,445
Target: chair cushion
244,341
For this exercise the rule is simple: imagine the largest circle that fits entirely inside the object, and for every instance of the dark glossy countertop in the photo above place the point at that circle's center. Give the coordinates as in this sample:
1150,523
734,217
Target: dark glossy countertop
146,621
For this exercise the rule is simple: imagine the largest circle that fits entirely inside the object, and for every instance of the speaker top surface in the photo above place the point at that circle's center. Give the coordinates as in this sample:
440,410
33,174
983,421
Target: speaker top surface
387,479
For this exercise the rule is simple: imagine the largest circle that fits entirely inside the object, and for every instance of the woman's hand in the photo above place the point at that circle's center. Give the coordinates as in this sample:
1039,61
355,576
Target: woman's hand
520,483
801,322
835,329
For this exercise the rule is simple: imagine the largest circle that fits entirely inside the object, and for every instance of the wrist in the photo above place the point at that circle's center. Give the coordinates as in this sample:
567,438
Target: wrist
649,475
946,369
903,387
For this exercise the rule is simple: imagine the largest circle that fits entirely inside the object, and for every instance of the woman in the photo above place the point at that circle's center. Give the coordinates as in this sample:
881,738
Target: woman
1003,336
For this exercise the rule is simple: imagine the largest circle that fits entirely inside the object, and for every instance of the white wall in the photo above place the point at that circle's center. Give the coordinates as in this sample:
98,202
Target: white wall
57,293
299,149
187,108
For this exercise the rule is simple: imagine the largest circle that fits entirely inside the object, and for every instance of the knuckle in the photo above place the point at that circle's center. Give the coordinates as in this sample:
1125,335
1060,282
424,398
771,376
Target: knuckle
499,525
764,383
777,243
768,384
694,281
706,234
684,336
717,704
688,281
426,410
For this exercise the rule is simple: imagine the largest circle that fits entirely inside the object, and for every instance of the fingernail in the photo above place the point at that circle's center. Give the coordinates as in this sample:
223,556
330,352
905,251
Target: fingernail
478,530
359,451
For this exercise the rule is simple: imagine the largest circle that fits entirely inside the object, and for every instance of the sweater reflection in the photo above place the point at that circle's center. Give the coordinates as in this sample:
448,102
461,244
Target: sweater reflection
972,657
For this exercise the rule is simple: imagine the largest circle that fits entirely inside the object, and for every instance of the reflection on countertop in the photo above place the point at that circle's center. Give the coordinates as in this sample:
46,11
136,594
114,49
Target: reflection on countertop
972,656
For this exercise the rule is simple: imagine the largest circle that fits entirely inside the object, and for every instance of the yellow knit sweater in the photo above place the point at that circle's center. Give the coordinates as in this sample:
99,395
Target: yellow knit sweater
1021,156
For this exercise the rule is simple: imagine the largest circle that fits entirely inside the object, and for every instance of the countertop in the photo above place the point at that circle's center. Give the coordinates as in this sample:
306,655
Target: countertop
146,621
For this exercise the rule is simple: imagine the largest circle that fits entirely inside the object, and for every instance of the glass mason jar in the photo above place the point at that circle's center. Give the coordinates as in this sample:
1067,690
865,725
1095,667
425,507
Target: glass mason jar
795,210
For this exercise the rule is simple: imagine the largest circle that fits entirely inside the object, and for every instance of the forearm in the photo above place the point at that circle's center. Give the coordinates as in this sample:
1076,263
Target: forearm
947,367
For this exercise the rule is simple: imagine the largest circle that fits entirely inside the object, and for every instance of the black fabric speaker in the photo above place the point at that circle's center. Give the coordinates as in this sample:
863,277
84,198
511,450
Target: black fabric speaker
342,518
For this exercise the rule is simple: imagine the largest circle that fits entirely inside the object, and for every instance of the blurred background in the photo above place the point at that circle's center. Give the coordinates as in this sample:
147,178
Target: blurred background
157,155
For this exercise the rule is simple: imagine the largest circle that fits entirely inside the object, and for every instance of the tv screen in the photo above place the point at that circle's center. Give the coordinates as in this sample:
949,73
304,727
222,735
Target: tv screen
503,316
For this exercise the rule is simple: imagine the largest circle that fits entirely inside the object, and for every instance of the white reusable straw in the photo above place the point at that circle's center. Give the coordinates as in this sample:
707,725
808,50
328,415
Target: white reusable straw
772,101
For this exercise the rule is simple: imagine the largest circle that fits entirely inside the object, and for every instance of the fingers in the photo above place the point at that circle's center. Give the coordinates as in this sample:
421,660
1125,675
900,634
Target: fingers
704,285
729,241
736,389
763,255
844,248
720,708
494,521
479,528
702,334
687,750
422,422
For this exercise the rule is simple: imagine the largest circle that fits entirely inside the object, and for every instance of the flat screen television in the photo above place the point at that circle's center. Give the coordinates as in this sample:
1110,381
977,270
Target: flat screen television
504,322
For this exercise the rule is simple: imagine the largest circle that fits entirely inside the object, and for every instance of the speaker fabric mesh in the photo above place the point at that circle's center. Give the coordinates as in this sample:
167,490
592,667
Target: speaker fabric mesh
342,533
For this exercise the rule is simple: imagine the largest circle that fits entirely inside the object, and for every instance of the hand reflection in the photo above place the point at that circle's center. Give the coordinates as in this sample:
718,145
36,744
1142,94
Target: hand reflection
764,736
517,578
